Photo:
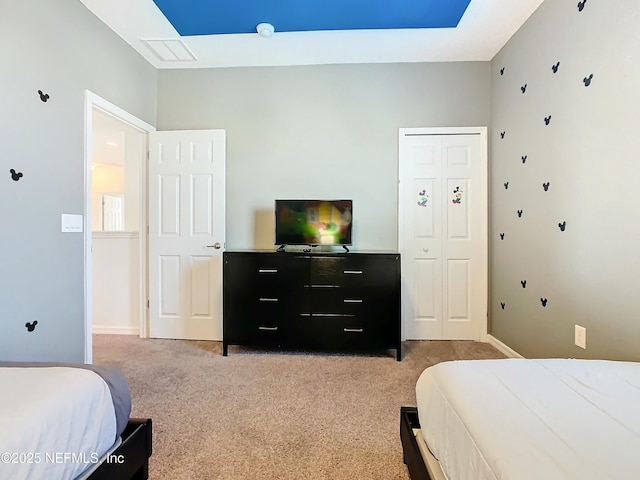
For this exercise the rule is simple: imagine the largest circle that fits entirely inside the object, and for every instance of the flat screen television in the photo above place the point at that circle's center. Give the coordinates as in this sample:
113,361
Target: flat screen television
313,222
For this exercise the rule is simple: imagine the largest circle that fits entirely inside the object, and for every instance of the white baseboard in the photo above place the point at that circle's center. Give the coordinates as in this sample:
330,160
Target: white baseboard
507,350
100,330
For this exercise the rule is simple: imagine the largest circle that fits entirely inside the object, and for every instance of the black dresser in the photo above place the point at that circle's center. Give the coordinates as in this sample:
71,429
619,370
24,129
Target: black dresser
331,301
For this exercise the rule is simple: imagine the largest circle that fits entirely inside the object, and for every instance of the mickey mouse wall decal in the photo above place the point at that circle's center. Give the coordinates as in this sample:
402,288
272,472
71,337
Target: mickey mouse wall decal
581,5
524,158
562,226
15,176
547,120
31,326
502,134
523,283
545,186
502,305
555,67
519,213
523,88
587,80
543,301
43,96
506,185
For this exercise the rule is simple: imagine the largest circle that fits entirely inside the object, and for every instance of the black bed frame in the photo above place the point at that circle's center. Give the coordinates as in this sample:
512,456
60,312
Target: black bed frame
411,452
130,461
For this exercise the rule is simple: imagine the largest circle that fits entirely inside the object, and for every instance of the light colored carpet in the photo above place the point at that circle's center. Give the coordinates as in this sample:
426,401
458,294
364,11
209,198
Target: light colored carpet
260,414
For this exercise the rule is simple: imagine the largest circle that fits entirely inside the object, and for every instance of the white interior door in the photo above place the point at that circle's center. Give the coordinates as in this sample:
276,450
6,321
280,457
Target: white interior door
443,233
186,233
112,212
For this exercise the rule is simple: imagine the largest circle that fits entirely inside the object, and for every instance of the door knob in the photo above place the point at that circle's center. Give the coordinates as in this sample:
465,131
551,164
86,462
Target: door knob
216,245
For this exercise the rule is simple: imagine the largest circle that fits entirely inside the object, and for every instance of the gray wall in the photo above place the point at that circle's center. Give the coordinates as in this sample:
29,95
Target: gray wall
319,132
331,131
61,48
590,273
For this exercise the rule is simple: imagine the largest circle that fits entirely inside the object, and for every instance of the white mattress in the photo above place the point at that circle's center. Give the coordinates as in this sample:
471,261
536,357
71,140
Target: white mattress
55,422
520,419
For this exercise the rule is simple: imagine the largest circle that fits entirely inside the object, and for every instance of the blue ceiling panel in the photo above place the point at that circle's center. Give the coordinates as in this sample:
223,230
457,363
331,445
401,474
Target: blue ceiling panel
211,17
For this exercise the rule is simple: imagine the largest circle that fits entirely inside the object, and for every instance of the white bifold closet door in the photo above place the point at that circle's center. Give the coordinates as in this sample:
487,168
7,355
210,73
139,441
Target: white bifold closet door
443,233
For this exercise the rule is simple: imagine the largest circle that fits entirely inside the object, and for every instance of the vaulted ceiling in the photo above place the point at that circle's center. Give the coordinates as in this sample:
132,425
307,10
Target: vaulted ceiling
224,33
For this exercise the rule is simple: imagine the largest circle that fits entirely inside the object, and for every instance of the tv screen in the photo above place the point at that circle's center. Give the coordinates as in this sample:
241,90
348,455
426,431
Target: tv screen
313,222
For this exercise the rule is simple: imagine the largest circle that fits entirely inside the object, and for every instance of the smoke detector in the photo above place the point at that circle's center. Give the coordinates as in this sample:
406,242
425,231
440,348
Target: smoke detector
265,30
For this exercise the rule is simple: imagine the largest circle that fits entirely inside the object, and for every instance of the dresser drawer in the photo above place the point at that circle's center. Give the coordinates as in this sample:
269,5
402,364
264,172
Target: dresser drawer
253,319
264,334
263,274
326,271
333,300
339,270
355,274
330,330
262,307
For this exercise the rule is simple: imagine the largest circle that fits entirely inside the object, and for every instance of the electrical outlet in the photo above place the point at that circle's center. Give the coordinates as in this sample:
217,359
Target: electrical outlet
581,336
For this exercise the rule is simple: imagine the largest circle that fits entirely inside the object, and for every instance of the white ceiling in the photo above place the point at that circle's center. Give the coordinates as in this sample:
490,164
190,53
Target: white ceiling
484,29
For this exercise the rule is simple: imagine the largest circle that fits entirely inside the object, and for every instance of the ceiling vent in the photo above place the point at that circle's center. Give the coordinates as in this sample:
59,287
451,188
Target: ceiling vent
170,49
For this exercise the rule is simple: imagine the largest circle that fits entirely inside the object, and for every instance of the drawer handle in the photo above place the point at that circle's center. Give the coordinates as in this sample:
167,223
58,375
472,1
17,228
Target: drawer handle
268,329
352,272
352,300
320,285
354,330
265,299
267,270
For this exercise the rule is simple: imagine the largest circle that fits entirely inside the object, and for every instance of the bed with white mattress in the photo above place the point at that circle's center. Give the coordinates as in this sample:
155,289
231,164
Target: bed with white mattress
69,422
524,419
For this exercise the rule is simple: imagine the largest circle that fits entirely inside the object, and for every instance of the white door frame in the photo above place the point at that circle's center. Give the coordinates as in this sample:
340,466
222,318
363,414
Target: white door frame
482,132
94,101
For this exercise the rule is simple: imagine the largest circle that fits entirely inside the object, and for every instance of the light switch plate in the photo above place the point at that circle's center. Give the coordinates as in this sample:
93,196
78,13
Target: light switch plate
71,223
